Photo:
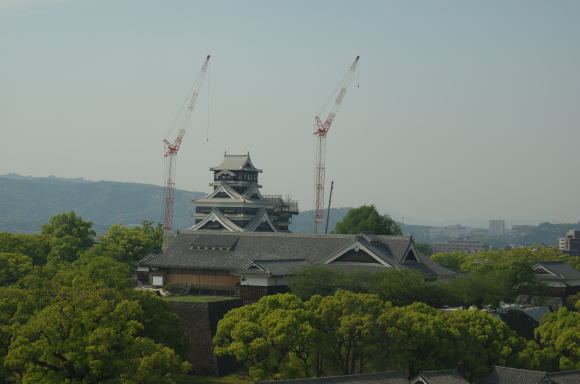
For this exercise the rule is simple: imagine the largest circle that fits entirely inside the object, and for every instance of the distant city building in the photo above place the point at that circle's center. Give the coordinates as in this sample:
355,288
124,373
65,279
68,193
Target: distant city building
521,230
469,246
451,232
571,242
497,227
236,204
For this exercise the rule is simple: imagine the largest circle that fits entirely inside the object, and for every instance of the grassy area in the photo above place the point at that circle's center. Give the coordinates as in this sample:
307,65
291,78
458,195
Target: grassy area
230,379
197,299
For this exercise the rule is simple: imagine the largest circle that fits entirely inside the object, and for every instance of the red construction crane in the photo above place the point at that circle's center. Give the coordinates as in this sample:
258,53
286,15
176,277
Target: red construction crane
170,149
320,131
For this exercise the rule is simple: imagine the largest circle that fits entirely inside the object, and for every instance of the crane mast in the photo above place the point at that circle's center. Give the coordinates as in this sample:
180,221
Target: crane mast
321,129
170,149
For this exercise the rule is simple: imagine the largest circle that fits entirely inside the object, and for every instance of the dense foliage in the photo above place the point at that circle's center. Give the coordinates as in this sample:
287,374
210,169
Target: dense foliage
367,219
502,259
283,336
404,287
68,314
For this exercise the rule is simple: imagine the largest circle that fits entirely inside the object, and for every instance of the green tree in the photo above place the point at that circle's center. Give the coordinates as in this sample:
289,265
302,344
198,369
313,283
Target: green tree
488,260
69,236
401,287
482,341
34,246
573,302
451,260
89,336
348,324
315,281
130,244
404,287
478,289
16,307
537,358
13,267
417,338
93,270
160,324
274,337
367,219
560,333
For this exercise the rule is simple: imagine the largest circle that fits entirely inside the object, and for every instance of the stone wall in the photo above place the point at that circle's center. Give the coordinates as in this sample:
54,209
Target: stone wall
199,323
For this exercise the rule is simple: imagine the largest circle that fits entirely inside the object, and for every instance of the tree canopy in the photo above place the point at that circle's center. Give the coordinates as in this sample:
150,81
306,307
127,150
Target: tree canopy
502,258
130,244
559,332
282,337
69,315
367,219
89,336
69,236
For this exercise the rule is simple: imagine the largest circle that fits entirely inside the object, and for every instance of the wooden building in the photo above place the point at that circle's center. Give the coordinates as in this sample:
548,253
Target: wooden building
254,264
562,279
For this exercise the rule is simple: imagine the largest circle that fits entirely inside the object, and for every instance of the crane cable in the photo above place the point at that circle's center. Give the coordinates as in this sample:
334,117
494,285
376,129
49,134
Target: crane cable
207,128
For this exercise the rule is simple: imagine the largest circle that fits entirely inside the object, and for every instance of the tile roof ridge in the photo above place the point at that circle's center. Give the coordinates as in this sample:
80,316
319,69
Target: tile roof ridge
519,369
309,379
552,262
440,370
274,234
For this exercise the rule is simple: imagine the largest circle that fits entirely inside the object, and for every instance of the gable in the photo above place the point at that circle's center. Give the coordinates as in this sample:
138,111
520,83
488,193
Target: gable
213,225
355,256
410,256
542,271
356,253
264,227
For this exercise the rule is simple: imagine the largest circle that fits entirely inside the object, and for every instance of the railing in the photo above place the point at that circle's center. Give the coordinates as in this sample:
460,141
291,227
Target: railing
284,205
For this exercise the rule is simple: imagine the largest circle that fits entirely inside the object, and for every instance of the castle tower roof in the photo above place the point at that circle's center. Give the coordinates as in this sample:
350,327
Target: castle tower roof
236,163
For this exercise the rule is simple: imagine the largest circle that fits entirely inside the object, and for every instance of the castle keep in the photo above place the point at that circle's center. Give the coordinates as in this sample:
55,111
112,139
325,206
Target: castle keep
236,204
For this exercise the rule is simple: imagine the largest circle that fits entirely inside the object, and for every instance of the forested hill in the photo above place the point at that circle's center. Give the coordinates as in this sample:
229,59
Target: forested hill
28,202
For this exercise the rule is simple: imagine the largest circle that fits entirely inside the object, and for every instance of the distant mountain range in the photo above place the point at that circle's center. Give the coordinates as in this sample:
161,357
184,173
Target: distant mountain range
28,202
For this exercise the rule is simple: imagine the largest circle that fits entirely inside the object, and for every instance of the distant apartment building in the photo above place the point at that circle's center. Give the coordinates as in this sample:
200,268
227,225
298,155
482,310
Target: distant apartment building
469,246
497,227
571,242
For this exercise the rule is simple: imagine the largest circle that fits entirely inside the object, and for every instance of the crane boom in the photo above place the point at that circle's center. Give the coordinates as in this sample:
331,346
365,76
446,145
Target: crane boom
170,149
321,129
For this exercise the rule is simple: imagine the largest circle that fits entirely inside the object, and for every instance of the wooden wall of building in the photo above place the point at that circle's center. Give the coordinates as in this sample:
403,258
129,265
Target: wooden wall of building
203,280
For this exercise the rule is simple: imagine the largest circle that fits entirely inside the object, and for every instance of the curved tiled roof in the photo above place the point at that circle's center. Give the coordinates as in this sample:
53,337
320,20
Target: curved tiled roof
310,249
236,163
507,375
565,377
560,269
448,376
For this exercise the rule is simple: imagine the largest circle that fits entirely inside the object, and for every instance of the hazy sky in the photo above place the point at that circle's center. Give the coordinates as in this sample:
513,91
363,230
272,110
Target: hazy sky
466,109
